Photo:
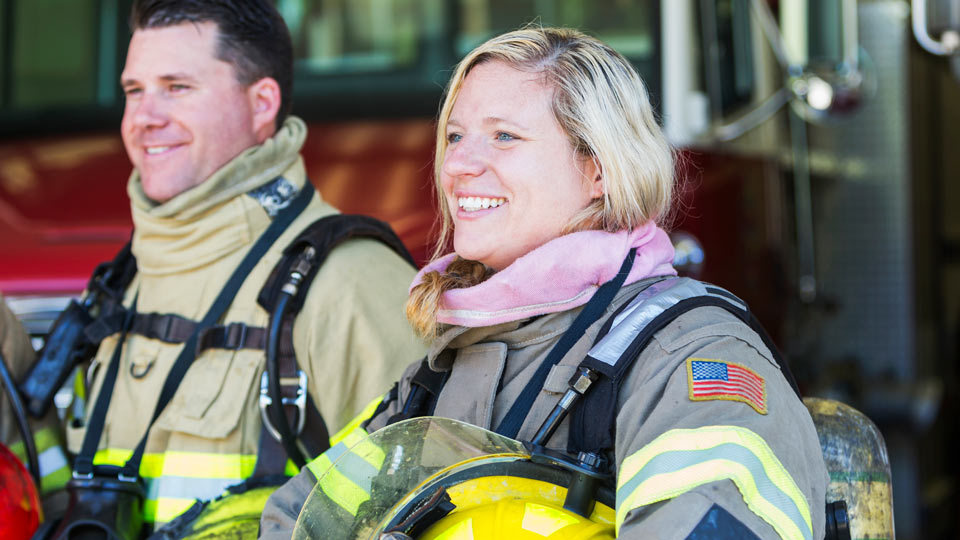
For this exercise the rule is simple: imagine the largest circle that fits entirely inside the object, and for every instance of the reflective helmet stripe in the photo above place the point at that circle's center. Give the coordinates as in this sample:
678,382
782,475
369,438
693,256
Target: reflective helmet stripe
682,459
54,467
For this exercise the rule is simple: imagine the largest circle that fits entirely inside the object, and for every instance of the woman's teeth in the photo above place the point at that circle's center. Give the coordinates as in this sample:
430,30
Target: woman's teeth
472,204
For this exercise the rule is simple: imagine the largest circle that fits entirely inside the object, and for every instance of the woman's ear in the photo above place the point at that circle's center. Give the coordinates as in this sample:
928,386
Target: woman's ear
594,177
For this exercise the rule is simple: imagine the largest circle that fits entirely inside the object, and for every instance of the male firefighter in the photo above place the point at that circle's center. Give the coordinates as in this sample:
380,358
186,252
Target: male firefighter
217,169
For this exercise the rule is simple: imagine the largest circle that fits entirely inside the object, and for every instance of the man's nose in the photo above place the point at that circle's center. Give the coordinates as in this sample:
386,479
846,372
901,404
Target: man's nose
147,110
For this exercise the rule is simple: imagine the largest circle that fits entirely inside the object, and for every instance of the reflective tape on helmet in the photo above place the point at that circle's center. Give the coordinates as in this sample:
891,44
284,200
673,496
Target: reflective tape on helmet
682,459
54,467
345,470
174,480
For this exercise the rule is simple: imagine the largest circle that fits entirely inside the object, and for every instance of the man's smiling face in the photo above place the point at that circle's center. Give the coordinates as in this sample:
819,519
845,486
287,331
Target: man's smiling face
186,114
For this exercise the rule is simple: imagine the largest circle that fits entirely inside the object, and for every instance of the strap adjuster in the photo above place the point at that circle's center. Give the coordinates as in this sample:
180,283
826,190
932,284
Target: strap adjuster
236,334
300,402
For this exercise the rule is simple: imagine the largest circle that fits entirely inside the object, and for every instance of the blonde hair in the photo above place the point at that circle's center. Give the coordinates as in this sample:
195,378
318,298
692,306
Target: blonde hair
602,105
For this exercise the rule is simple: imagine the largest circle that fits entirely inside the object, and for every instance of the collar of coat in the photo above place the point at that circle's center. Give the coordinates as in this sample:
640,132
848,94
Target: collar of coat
523,333
212,219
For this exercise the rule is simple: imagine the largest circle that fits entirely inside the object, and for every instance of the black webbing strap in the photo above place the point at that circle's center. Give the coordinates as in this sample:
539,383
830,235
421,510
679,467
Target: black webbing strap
188,353
235,336
593,419
272,457
83,464
425,387
594,309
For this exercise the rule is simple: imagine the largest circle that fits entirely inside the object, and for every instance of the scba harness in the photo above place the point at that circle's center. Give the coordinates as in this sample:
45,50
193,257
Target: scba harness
592,396
293,431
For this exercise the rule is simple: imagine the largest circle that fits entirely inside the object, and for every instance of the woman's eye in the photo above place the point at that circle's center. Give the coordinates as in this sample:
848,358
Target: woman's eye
505,137
454,137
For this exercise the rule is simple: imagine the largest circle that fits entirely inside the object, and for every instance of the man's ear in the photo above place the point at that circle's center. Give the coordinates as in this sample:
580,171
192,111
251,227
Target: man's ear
264,96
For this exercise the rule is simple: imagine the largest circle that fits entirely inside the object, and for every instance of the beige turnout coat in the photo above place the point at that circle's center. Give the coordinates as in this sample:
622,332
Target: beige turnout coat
350,338
656,417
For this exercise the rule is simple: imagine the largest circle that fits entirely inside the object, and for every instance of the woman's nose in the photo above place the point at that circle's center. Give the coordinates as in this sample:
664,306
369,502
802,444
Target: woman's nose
464,158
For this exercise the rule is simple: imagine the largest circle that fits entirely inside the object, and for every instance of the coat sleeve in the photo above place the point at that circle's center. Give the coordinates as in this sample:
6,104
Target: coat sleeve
283,507
353,329
696,461
47,431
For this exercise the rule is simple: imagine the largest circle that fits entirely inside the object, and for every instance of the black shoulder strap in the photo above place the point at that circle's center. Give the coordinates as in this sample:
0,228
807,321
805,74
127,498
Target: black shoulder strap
322,237
627,334
425,387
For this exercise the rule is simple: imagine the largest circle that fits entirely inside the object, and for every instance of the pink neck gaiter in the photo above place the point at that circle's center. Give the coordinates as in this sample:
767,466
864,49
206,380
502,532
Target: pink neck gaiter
559,275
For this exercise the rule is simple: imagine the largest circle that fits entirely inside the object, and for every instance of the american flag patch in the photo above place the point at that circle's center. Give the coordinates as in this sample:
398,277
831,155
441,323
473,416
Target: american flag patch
716,379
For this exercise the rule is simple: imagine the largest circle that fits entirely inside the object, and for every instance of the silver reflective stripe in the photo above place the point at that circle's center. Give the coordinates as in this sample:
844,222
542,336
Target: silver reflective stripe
335,451
51,460
357,469
184,487
673,461
646,307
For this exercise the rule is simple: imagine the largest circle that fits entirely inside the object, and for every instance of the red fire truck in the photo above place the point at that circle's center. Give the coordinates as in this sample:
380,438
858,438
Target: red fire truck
817,173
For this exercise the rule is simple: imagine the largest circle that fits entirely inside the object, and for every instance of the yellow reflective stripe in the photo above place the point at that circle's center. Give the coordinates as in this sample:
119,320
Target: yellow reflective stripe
338,487
43,439
682,459
188,464
55,480
164,510
175,479
344,471
354,424
54,467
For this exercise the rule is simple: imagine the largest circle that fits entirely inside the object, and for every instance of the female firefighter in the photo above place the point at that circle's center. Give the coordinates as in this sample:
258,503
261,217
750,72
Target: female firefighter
552,176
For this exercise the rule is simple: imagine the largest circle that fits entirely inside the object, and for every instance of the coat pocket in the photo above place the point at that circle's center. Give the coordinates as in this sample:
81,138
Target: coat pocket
213,395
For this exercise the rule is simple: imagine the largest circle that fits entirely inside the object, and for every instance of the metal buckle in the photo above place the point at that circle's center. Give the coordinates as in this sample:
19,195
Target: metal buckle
78,476
124,478
300,402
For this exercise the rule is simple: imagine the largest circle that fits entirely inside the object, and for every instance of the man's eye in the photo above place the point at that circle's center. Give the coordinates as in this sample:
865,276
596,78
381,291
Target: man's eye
129,92
505,137
179,87
454,137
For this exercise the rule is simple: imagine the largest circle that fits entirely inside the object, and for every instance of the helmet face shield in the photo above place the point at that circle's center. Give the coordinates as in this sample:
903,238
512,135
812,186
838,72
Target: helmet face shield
364,483
433,477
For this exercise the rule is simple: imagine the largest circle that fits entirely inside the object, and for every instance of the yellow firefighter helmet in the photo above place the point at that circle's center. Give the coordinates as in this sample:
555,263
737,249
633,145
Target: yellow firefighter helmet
440,479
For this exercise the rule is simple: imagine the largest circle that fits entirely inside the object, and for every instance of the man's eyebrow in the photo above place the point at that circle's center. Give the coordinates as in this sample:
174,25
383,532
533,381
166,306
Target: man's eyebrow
170,77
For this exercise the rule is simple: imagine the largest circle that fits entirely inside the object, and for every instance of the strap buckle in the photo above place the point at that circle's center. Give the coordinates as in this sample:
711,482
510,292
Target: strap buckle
83,476
300,402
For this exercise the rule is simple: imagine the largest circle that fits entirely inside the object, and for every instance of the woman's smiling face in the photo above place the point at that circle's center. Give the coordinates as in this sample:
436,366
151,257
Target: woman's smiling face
511,178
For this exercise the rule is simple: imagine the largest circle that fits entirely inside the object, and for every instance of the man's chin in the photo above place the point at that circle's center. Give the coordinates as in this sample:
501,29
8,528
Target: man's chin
159,189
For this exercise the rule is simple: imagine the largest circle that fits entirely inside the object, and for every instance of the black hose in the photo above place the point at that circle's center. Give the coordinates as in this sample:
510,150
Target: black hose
33,462
275,410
